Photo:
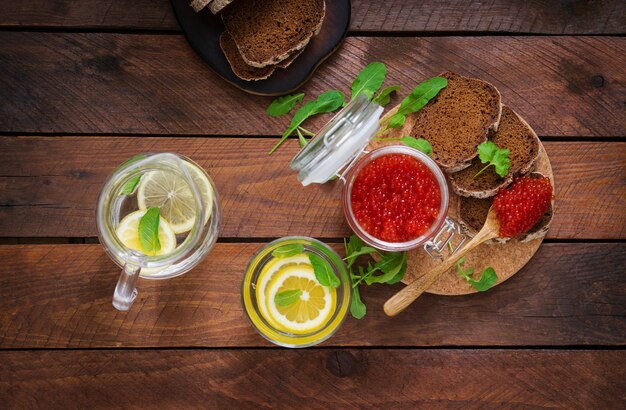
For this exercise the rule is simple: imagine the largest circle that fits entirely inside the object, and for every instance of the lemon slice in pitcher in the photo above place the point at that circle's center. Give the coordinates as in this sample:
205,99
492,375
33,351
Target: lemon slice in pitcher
172,194
128,232
308,314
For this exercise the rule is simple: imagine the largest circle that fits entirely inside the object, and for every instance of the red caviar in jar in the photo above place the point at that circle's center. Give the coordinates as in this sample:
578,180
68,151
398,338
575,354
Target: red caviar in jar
520,206
395,198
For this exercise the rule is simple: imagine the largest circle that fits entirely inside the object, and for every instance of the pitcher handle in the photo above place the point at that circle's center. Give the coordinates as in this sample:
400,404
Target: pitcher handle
125,290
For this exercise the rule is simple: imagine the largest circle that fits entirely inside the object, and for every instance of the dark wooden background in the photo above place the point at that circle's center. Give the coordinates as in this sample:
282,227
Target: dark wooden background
86,84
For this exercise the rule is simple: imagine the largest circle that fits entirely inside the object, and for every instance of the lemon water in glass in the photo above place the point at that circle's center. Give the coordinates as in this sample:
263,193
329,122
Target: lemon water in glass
166,188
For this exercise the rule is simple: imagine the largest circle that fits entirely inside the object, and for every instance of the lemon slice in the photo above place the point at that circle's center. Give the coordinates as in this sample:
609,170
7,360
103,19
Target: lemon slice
128,232
315,307
172,194
270,269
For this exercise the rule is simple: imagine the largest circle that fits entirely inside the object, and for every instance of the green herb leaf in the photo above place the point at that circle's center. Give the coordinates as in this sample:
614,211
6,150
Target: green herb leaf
384,97
490,154
357,307
323,272
130,185
418,143
369,80
354,244
149,231
287,297
326,102
283,105
365,250
419,97
303,141
400,275
488,277
390,264
288,250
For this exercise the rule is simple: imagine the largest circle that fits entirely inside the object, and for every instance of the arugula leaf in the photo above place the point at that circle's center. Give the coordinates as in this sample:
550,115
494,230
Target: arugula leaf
419,97
390,264
418,143
384,97
326,102
488,277
365,250
283,105
369,80
130,185
357,307
303,141
490,154
288,250
354,244
149,231
323,272
400,275
287,297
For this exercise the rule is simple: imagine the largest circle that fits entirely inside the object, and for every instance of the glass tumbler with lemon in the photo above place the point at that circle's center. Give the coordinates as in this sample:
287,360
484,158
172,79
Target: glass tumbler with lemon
296,291
157,216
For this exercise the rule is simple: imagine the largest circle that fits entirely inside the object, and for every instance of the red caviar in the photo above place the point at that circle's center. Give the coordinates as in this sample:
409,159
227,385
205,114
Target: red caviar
395,198
520,206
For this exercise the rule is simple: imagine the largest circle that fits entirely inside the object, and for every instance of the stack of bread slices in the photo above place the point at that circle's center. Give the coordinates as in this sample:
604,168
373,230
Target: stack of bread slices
465,114
263,35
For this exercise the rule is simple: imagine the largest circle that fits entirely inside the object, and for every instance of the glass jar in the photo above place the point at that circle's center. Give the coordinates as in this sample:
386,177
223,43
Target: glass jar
339,151
119,198
264,269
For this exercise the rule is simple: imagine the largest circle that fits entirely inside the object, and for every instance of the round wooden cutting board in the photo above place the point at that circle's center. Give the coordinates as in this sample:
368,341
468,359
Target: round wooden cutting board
506,259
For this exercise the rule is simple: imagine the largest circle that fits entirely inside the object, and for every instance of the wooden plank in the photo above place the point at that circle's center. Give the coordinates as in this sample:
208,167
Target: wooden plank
59,296
49,186
548,17
349,378
119,83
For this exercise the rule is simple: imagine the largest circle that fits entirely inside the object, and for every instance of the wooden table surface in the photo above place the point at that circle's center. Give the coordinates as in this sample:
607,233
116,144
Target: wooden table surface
87,84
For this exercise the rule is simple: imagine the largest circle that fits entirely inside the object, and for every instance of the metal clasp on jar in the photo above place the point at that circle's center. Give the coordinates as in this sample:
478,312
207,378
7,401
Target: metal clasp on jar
450,238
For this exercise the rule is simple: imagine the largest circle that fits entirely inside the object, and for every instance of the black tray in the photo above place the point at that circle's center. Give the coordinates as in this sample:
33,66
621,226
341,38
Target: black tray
203,30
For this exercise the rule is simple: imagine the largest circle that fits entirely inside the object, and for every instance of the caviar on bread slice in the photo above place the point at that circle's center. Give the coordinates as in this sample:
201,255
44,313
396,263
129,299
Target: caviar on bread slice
513,134
472,213
457,120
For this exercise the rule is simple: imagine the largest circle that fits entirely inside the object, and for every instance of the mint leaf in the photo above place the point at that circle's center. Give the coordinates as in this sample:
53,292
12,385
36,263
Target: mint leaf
384,97
357,307
149,231
369,80
419,97
282,105
130,185
288,250
326,102
287,297
323,272
489,153
418,143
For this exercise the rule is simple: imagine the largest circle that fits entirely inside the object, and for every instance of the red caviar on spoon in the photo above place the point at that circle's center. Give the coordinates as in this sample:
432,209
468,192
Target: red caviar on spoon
522,204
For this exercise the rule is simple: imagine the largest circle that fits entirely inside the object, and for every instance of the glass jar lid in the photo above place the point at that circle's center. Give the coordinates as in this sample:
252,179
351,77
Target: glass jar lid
342,139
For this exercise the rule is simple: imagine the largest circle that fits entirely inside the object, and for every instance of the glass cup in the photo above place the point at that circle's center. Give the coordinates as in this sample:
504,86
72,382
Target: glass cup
119,198
259,273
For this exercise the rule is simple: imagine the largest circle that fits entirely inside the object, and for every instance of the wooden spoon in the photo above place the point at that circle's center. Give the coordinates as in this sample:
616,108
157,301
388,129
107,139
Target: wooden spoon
398,302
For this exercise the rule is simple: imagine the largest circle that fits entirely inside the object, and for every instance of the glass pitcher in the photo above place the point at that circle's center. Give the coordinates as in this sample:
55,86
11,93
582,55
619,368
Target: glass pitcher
186,196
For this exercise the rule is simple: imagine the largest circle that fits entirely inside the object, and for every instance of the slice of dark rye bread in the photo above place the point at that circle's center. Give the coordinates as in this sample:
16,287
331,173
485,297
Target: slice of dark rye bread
269,31
455,122
243,70
472,213
524,149
239,67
